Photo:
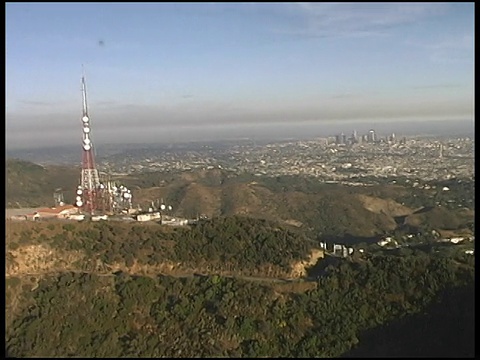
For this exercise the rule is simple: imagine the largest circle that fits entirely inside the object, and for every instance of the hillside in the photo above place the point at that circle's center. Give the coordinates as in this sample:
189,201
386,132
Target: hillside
234,285
329,210
443,329
440,218
121,315
229,246
384,206
32,185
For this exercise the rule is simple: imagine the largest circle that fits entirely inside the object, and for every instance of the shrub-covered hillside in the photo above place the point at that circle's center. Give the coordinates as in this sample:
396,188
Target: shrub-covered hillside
84,315
231,245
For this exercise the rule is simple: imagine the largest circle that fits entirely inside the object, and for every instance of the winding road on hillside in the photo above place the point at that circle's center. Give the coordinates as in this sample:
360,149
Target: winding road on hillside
178,275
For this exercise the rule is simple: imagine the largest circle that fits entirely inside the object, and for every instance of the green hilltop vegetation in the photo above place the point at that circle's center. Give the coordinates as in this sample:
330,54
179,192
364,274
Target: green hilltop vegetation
88,315
233,245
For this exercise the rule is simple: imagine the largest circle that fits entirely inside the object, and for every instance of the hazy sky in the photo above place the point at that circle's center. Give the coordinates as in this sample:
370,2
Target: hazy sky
179,71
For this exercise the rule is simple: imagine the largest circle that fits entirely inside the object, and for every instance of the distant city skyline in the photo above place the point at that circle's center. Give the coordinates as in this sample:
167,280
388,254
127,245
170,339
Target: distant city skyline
177,72
442,129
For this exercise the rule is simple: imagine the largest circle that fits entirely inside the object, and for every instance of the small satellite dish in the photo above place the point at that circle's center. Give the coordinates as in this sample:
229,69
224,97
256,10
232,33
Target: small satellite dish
79,192
162,207
79,203
169,207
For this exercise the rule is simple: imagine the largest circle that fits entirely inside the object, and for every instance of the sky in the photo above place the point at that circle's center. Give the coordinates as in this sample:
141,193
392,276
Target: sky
166,72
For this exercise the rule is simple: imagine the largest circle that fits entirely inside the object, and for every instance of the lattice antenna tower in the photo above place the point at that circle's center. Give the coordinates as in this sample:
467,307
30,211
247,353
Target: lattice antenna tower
88,192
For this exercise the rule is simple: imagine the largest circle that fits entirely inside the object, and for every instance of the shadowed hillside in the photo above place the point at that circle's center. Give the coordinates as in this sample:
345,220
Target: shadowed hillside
446,328
439,218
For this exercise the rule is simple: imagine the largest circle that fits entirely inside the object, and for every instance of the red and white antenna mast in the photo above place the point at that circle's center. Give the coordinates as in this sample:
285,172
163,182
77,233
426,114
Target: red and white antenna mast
89,190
